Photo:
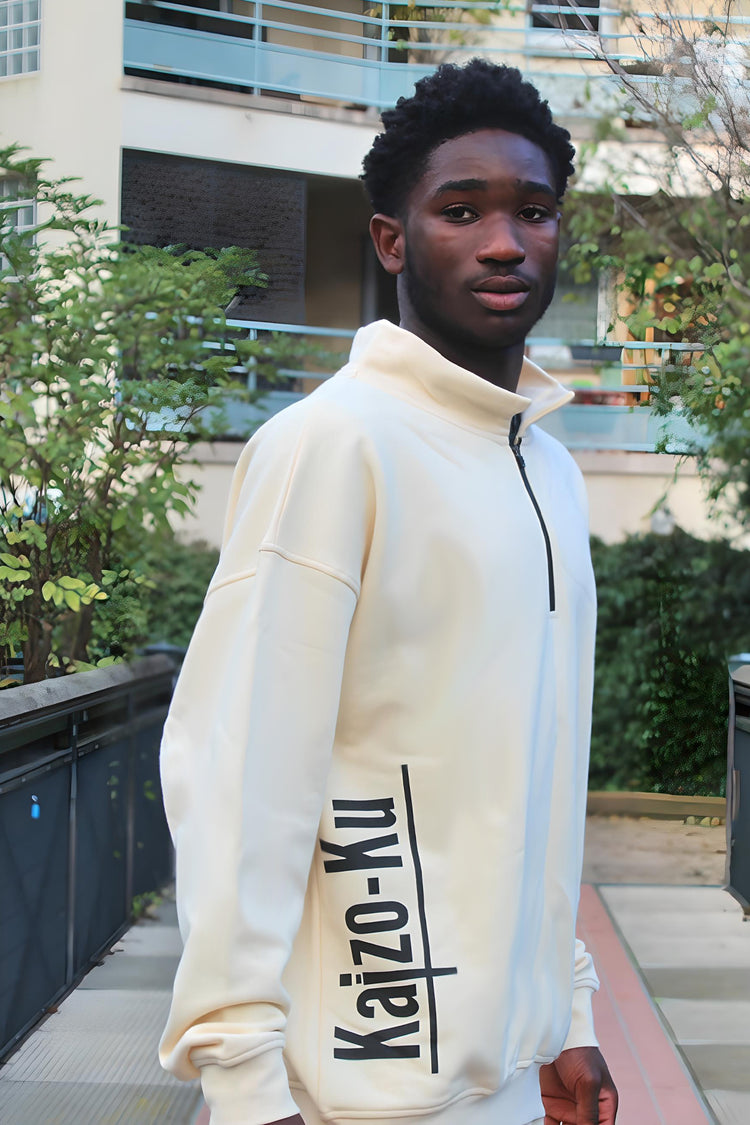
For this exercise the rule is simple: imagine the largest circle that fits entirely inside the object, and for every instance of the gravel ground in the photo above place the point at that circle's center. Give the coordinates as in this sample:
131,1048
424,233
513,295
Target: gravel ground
623,849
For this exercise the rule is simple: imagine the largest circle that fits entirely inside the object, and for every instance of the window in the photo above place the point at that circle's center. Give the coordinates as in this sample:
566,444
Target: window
563,17
20,33
18,210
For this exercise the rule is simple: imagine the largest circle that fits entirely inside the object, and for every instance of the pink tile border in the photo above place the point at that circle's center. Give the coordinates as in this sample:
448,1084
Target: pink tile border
654,1085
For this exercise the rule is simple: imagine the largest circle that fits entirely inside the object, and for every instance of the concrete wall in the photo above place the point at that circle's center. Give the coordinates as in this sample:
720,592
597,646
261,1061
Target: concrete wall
623,489
70,109
216,125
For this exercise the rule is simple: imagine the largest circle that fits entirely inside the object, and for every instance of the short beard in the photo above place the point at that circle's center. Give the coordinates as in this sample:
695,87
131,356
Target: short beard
423,299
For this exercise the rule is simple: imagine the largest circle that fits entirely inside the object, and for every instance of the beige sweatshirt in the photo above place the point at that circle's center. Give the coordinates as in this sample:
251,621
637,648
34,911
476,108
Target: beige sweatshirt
375,763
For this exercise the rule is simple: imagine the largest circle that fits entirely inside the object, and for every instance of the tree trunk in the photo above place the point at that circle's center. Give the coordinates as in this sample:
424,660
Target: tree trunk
36,652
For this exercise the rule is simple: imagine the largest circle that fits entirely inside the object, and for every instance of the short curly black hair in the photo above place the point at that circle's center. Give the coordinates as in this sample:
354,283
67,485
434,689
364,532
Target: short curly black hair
453,101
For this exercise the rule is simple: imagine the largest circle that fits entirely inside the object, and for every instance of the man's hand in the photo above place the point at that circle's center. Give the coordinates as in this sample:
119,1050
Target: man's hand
577,1089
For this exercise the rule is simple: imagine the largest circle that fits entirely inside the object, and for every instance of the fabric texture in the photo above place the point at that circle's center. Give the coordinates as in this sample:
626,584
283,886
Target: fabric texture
375,762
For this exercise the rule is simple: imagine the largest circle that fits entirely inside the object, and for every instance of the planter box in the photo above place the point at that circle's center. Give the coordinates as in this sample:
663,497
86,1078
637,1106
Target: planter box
82,826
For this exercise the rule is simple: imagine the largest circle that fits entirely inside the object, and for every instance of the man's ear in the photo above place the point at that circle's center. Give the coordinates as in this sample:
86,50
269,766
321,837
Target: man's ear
387,235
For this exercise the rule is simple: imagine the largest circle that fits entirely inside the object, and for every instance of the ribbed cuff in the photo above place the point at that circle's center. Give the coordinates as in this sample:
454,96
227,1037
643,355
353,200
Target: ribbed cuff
254,1092
581,1033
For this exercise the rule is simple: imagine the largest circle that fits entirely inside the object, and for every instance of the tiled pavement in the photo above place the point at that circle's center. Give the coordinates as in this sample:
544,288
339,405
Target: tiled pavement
93,1062
693,949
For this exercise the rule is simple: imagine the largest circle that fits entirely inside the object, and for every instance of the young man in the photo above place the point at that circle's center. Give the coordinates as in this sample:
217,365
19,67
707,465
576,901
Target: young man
375,762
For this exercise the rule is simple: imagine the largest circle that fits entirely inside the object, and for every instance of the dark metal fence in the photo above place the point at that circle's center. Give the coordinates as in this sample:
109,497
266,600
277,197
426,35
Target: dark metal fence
738,788
82,826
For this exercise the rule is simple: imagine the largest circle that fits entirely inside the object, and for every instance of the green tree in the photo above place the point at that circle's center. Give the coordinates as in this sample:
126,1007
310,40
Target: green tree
106,380
680,254
671,609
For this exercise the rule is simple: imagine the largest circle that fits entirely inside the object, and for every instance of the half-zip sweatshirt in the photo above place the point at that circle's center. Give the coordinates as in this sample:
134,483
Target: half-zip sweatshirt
375,762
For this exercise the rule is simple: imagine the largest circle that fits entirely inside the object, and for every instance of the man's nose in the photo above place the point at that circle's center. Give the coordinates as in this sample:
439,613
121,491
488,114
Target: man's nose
500,242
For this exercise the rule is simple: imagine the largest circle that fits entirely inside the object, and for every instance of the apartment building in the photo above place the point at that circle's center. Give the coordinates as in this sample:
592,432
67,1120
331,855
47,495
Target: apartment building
241,122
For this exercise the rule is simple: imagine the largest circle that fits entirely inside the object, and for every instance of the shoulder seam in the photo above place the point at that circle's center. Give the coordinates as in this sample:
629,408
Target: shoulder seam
312,564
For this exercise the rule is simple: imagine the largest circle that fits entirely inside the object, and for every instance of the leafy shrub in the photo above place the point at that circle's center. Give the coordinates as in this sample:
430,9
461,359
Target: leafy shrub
671,608
155,597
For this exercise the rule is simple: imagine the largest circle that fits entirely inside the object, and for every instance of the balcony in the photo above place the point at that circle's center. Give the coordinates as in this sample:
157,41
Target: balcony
618,419
343,57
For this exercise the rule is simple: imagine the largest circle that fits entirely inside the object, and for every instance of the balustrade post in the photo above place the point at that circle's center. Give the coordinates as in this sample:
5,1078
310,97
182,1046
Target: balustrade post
72,852
385,15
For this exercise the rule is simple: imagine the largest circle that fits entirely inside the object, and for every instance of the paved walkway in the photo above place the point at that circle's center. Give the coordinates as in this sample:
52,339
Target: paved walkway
680,1053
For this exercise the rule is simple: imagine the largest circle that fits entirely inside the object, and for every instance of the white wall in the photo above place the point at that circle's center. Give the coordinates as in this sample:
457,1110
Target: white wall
623,488
70,109
190,122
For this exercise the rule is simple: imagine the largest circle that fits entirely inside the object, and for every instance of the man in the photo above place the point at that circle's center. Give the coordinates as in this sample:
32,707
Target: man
375,763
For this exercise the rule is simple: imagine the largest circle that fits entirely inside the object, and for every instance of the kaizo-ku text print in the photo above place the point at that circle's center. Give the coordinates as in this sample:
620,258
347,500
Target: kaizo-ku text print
395,989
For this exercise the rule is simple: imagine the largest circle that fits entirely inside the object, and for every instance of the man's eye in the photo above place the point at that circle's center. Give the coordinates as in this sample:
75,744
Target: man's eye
534,213
459,212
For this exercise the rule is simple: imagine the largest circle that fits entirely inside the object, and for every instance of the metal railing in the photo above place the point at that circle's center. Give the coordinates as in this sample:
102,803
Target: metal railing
82,826
614,416
370,59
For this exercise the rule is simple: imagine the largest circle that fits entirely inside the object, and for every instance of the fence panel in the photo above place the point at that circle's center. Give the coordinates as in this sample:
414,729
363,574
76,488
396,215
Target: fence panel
34,841
82,826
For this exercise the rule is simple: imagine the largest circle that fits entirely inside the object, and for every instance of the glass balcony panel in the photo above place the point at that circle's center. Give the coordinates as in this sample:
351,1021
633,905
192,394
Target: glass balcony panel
199,54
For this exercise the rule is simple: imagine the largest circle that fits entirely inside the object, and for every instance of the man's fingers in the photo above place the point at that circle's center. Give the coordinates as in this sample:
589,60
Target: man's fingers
608,1102
587,1099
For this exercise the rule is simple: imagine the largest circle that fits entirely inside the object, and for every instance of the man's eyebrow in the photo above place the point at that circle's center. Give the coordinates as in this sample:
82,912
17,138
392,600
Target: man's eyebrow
462,185
529,187
536,187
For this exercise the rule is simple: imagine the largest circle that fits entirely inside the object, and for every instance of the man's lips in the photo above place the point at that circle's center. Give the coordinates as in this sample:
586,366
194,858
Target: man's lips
501,294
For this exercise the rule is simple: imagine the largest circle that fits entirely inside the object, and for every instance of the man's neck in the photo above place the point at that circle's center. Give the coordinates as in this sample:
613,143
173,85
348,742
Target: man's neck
501,366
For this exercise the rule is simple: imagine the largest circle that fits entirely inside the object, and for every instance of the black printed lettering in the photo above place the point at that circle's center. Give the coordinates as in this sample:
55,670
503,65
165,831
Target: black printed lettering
378,923
376,1045
356,856
384,806
388,998
403,953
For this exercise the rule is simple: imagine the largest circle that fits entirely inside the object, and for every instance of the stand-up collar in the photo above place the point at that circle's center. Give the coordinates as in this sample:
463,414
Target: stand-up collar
402,363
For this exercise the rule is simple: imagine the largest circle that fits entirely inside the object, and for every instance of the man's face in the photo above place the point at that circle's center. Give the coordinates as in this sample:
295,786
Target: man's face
480,247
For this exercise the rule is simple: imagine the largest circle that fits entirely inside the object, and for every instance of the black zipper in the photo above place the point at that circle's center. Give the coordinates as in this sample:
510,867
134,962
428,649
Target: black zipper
515,444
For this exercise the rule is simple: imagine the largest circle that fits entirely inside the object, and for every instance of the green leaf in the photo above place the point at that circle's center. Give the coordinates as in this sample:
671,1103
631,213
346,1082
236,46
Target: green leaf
72,600
69,583
48,590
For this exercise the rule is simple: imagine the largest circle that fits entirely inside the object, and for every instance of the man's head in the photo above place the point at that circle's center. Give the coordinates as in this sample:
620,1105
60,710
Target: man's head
466,181
449,103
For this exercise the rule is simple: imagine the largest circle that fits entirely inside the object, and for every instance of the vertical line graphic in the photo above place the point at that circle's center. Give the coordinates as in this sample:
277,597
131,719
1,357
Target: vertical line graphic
429,981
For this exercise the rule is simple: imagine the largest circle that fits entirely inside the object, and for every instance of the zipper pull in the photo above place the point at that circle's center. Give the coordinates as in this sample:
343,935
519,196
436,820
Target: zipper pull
515,441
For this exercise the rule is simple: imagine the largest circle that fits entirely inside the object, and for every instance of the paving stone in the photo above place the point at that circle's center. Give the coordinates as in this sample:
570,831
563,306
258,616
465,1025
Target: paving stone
708,1021
730,1106
720,1066
64,1103
140,972
698,983
149,939
680,926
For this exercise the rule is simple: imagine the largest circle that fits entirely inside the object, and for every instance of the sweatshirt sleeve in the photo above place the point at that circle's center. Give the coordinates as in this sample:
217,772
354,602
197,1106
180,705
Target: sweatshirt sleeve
245,758
585,984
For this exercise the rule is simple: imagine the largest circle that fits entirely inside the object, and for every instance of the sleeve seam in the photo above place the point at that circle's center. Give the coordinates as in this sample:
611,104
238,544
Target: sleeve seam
239,577
312,564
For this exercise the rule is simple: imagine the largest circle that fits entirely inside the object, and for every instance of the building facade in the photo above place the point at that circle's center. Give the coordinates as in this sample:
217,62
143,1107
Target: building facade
235,122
